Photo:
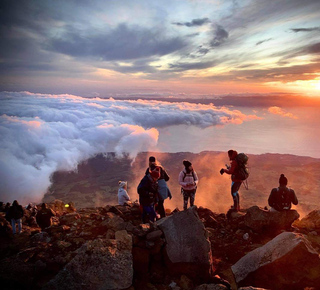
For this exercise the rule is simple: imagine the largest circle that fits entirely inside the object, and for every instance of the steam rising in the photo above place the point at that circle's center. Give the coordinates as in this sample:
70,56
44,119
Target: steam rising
43,133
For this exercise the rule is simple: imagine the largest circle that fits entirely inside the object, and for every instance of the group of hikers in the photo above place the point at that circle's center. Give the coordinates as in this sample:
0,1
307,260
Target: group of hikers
15,212
153,189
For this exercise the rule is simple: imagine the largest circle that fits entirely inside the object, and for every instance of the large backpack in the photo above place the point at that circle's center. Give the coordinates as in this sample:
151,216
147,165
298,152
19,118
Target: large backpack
242,171
283,200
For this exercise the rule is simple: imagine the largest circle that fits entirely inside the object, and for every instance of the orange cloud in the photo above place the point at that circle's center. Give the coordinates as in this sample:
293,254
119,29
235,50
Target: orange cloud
278,111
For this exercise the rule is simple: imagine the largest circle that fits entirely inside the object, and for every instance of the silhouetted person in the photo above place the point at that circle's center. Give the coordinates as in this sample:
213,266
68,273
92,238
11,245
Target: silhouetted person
148,194
188,179
15,214
281,197
164,191
2,206
44,216
123,196
235,181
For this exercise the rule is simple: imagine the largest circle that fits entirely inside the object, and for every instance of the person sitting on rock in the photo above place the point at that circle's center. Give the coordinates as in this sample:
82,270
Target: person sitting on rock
44,216
123,196
148,194
281,197
15,213
188,179
164,191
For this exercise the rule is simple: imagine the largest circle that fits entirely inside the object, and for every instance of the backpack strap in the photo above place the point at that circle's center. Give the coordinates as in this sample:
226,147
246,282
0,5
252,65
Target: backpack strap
185,174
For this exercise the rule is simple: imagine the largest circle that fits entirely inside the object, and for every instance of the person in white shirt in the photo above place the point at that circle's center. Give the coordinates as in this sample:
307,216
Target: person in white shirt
123,196
188,179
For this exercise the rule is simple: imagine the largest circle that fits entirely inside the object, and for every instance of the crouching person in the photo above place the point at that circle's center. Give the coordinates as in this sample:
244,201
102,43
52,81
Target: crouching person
281,197
44,216
148,194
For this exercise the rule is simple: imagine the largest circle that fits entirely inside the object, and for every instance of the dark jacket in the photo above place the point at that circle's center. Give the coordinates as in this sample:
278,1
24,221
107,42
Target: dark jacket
281,198
44,216
15,212
163,173
148,191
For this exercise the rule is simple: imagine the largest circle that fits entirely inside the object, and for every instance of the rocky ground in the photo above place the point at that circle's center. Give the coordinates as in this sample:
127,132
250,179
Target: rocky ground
109,248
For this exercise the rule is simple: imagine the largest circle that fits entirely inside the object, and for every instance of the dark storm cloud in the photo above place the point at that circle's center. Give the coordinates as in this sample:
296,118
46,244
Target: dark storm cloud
305,29
220,35
194,22
263,41
121,43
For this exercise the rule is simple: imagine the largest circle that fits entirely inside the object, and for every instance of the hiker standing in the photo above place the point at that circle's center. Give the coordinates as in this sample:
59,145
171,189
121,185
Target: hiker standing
44,216
15,214
281,197
237,176
148,194
123,196
163,190
188,179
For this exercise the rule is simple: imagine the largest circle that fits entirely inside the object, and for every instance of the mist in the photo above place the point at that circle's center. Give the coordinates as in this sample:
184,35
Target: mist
43,133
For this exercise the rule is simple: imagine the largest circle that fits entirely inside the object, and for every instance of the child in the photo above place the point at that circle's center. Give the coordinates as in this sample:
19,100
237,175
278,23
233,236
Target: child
123,196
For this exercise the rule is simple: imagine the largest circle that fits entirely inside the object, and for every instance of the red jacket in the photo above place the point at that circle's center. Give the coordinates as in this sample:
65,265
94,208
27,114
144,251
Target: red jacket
233,167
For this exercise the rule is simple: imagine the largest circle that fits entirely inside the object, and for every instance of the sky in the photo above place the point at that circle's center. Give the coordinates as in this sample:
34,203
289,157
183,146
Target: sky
168,47
79,78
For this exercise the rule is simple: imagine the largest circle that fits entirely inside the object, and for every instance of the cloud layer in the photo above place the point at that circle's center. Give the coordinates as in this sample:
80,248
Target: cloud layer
43,133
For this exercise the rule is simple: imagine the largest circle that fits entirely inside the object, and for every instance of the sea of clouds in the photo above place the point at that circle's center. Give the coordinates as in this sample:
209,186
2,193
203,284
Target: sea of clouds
43,133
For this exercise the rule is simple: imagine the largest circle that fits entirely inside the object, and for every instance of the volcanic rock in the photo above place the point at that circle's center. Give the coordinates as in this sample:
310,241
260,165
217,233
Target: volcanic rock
287,261
211,287
70,219
262,220
310,222
99,264
188,248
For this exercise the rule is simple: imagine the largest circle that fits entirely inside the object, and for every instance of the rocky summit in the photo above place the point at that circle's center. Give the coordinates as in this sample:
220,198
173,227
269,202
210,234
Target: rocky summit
110,248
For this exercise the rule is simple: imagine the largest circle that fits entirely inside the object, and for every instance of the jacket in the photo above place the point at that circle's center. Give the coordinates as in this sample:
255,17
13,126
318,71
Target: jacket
123,196
188,181
15,212
163,173
44,216
148,191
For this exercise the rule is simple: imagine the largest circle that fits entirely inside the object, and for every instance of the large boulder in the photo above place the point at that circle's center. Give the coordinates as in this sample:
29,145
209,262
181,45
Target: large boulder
187,247
286,262
263,220
99,264
310,222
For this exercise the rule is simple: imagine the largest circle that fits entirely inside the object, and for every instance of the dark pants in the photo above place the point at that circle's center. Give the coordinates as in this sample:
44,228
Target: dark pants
161,210
186,195
235,186
148,214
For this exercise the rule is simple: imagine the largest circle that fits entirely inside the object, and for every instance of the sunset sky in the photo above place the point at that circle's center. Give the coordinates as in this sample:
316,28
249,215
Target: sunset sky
167,47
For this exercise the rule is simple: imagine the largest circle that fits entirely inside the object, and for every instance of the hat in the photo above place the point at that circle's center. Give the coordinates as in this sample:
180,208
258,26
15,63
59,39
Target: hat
283,180
155,173
152,159
122,183
186,163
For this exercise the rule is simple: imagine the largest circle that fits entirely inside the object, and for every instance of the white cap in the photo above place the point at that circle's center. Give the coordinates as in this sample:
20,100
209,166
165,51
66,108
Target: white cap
122,184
